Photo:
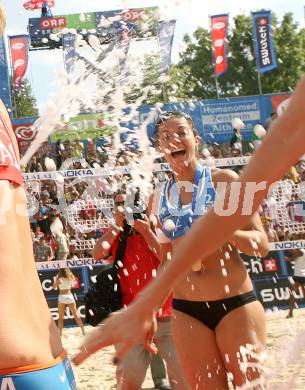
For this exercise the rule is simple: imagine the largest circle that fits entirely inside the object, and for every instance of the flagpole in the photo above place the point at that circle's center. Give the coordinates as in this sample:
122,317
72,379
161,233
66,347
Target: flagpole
259,83
13,89
217,86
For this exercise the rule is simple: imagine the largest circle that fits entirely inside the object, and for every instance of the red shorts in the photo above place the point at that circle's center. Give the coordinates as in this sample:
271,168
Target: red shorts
9,154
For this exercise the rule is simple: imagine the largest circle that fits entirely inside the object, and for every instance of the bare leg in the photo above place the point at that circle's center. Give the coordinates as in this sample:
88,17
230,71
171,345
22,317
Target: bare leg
61,313
241,338
77,319
199,354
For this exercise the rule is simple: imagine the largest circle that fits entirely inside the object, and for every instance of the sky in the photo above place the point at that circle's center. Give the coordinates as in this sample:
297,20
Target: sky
189,14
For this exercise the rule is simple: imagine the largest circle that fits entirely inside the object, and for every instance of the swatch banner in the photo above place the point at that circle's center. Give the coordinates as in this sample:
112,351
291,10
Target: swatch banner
219,31
263,41
166,37
69,51
37,4
19,45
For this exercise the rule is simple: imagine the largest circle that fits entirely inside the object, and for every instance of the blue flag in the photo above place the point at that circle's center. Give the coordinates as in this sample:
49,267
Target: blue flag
263,41
4,78
69,51
166,37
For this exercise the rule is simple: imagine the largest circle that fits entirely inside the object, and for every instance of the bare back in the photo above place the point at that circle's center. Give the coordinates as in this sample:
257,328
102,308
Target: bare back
28,334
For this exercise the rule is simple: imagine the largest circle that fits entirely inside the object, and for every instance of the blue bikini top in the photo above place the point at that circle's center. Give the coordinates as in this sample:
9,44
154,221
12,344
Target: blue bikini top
176,219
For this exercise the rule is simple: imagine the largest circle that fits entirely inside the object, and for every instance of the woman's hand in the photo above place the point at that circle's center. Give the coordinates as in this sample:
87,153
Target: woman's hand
124,328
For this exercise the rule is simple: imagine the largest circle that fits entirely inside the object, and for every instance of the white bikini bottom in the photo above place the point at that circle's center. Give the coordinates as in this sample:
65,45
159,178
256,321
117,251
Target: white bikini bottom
66,298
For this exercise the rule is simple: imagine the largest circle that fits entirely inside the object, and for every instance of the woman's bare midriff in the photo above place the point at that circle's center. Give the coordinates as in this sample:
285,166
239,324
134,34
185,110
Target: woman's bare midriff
223,275
28,335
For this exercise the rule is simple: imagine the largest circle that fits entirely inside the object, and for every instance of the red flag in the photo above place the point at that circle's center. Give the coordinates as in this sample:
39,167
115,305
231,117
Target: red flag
219,30
37,4
19,55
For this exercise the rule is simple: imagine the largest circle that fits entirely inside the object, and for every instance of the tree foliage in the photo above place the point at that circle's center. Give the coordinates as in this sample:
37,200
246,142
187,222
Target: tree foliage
193,77
23,101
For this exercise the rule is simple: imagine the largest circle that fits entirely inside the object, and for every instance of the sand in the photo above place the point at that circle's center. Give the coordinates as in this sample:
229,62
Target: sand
286,356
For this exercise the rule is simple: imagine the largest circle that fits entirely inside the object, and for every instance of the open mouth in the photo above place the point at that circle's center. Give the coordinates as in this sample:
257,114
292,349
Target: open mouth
178,152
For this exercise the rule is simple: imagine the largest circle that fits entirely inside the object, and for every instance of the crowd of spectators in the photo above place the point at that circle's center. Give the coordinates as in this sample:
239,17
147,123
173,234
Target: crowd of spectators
80,155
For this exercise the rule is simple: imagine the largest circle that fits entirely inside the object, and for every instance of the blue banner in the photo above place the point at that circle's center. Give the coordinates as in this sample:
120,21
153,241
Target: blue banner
4,78
217,117
69,51
263,41
166,37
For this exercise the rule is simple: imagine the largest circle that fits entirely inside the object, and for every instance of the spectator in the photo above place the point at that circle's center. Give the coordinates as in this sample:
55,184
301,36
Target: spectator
298,279
139,263
64,281
61,245
236,140
43,251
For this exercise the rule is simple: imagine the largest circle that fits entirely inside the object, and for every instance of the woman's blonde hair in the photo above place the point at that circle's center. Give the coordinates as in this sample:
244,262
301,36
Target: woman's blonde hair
2,19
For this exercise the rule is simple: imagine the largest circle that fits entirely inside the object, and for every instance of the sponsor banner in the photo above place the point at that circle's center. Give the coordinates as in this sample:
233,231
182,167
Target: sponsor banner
219,31
279,103
19,55
268,266
142,23
263,41
287,245
94,172
166,36
47,278
274,293
25,133
72,263
49,23
83,127
217,117
5,95
38,4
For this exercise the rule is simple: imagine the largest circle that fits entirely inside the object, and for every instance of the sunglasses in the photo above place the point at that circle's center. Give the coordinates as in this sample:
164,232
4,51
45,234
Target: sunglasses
121,203
163,117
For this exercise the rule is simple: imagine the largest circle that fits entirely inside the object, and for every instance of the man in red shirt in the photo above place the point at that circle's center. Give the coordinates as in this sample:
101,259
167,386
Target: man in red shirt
140,264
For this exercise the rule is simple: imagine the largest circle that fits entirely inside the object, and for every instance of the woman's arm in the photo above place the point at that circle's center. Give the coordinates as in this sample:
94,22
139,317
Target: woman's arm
280,149
252,240
56,283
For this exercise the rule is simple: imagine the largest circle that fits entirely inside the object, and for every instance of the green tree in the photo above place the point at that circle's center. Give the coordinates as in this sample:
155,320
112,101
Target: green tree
23,101
194,73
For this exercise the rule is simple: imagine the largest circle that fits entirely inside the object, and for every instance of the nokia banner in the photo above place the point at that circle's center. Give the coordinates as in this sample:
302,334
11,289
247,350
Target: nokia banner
219,30
19,56
263,41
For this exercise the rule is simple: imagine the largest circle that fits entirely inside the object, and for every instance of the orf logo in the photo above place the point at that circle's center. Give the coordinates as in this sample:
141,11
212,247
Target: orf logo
49,23
25,133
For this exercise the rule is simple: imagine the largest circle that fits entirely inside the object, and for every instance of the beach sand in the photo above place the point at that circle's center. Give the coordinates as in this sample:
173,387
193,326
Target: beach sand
286,356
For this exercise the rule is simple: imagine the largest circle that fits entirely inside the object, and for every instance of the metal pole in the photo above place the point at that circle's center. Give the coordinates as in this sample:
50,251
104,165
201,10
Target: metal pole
217,87
13,89
259,83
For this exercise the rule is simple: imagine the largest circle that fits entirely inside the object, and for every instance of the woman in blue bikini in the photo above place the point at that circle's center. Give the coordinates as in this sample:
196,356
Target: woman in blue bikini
206,235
